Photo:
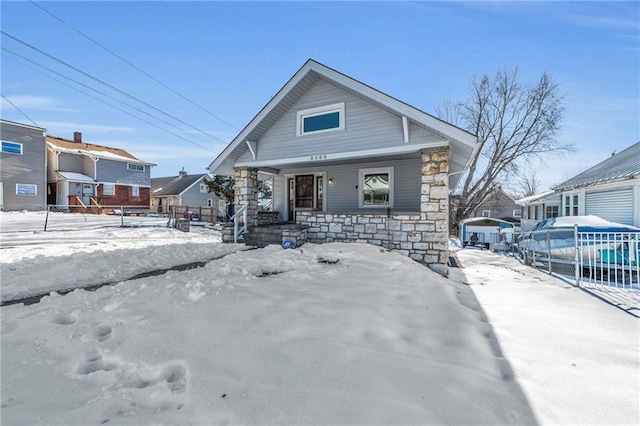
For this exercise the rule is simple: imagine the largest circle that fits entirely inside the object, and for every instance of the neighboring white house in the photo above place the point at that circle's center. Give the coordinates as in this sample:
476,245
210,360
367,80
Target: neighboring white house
351,164
182,190
538,207
610,189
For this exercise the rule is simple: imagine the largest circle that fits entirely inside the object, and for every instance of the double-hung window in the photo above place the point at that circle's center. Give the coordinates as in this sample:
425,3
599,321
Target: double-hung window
571,205
376,188
327,118
135,191
12,147
108,189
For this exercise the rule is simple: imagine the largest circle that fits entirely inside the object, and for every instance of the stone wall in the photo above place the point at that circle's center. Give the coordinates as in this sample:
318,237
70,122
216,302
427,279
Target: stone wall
406,233
246,193
268,218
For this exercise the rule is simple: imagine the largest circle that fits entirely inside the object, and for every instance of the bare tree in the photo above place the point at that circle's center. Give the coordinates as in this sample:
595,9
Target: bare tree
527,182
513,121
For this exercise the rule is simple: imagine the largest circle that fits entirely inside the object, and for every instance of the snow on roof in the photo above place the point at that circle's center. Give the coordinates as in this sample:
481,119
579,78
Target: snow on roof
535,197
76,177
99,151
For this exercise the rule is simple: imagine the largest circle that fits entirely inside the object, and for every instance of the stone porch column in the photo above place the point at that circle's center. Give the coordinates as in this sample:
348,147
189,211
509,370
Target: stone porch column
434,206
246,193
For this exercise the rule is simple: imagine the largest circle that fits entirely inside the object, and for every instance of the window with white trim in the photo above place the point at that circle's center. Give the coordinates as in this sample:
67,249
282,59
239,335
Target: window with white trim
486,213
551,211
517,213
209,202
26,189
12,147
203,188
108,189
135,191
376,188
571,205
136,167
327,118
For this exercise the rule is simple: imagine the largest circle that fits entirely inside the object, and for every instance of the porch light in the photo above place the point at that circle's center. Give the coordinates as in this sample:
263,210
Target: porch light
330,181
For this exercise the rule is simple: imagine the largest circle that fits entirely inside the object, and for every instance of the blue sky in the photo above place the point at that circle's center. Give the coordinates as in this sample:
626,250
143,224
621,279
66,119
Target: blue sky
227,59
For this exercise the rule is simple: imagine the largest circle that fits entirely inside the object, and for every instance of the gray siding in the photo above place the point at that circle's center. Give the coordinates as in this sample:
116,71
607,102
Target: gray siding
117,171
342,195
70,163
366,127
193,197
28,168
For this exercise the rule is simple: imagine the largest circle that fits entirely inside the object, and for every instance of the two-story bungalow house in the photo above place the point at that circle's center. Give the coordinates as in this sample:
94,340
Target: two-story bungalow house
23,162
351,164
91,175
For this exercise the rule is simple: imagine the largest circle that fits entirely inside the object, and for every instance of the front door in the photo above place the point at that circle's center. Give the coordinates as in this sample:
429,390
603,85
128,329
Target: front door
87,193
304,192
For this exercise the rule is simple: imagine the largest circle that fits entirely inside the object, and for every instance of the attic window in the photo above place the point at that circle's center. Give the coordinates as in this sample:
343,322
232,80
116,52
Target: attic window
321,119
137,167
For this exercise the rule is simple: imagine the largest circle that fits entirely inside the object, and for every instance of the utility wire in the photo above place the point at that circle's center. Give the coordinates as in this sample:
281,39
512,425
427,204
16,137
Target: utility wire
112,106
106,84
90,88
132,65
21,112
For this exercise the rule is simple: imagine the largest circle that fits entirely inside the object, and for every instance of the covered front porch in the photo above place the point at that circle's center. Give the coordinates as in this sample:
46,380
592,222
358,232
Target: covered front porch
310,201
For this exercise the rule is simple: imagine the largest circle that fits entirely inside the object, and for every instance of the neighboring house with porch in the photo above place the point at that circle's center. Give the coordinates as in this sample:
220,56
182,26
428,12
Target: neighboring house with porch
23,163
538,207
350,164
90,175
610,190
182,190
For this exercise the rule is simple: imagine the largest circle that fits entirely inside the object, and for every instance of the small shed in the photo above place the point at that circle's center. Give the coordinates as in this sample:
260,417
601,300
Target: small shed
485,232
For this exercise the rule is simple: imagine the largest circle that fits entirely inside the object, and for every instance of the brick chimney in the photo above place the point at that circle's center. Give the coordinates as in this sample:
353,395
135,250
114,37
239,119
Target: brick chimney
77,137
182,172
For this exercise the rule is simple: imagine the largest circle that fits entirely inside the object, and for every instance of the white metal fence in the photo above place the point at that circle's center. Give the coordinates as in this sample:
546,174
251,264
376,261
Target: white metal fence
610,259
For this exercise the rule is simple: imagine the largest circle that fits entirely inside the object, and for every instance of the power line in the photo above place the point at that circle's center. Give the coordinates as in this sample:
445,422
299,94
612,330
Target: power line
89,87
106,84
112,106
132,65
21,112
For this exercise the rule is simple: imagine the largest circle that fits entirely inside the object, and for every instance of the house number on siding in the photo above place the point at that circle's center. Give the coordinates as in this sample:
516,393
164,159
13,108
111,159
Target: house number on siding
318,157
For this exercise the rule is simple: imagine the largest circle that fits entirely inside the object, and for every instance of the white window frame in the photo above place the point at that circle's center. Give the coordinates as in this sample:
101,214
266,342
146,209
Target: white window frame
209,202
135,191
203,188
112,190
574,205
313,112
23,186
12,143
517,213
135,167
486,213
361,175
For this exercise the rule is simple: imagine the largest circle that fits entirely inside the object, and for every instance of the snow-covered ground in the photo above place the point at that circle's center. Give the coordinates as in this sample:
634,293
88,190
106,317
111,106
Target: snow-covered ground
324,334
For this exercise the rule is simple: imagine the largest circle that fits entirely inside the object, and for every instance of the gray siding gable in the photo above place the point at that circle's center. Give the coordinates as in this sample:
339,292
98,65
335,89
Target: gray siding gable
110,171
367,127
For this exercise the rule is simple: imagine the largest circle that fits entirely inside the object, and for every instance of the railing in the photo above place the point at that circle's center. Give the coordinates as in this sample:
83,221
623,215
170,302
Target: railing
610,259
237,230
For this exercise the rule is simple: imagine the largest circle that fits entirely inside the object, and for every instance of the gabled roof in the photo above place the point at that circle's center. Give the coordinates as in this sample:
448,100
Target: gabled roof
174,185
100,151
462,143
621,166
28,126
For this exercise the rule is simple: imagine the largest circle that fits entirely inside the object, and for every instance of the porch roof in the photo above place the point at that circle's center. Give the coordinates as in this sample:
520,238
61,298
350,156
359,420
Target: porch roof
75,177
460,142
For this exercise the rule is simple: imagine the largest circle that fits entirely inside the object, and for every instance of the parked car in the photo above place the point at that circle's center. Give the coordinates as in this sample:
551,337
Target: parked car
192,215
599,239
